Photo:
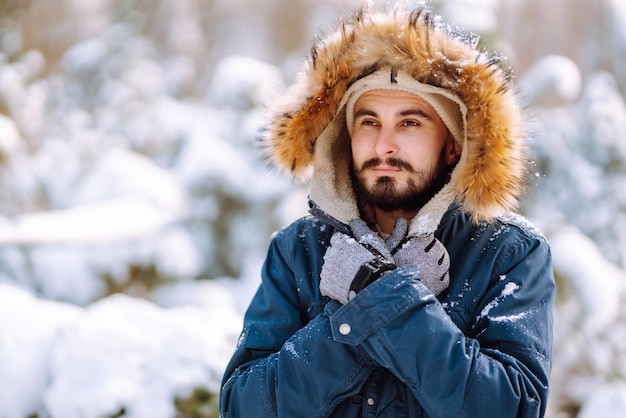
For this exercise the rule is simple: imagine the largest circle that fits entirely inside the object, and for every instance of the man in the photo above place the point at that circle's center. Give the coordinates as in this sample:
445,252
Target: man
412,290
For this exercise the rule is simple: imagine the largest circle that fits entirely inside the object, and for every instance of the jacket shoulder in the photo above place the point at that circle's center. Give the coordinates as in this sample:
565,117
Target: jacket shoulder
306,226
501,226
304,238
522,223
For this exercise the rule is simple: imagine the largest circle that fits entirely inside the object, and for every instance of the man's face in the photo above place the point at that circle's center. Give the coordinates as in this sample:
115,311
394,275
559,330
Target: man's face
401,150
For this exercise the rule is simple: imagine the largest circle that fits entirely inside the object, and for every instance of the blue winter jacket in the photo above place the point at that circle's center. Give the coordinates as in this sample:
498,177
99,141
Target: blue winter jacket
481,349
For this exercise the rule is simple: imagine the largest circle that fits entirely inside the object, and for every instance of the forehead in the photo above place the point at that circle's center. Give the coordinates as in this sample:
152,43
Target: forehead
387,97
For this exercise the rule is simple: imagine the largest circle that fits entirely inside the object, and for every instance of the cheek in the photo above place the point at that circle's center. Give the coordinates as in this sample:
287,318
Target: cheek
418,151
358,152
429,146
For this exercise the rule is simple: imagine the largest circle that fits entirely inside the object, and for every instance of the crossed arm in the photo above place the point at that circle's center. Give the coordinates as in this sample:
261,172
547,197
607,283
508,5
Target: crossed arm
291,360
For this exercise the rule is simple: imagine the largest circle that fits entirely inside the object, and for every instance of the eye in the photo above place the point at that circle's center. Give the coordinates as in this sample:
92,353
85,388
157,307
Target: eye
411,123
369,122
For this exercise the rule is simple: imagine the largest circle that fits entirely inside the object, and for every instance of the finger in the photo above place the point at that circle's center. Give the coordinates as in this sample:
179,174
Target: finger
397,235
432,241
360,229
338,237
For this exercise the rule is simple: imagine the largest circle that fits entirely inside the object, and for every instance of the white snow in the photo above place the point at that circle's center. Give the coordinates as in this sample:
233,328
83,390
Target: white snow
29,330
113,219
508,290
128,353
553,80
593,277
236,83
10,141
120,352
606,402
477,16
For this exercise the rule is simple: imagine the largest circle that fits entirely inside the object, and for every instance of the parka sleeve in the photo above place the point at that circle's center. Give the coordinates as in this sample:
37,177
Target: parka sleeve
280,366
500,368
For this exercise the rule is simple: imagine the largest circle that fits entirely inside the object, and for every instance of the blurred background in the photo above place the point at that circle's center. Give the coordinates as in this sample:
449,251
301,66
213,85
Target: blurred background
136,208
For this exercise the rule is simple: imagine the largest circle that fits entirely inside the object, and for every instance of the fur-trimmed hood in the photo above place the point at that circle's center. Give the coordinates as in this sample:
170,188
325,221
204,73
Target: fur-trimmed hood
307,138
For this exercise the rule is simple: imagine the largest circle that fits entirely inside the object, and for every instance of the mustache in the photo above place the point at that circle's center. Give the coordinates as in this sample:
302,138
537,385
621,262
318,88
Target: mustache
392,162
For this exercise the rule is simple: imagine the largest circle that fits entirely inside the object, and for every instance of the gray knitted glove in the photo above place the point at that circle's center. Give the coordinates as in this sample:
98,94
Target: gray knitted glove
397,235
431,256
365,236
350,264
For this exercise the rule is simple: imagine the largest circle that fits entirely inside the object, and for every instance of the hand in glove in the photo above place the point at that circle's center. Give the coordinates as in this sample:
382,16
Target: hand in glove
431,256
351,263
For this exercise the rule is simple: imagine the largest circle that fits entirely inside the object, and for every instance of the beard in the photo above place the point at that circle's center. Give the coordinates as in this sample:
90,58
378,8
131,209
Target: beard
389,196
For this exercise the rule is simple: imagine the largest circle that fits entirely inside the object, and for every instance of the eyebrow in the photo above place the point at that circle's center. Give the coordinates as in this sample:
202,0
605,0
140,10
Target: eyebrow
364,112
408,112
415,112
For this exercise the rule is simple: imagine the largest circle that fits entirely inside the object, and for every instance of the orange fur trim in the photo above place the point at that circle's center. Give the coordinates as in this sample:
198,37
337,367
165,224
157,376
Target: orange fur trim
491,177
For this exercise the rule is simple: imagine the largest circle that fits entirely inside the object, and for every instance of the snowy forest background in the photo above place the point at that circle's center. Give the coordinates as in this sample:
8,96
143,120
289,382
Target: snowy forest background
135,208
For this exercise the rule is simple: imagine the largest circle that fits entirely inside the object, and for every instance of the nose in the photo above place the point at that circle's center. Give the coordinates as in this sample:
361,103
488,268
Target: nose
386,144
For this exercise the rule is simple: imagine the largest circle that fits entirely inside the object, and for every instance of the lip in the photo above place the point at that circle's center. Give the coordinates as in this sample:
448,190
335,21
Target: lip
386,170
